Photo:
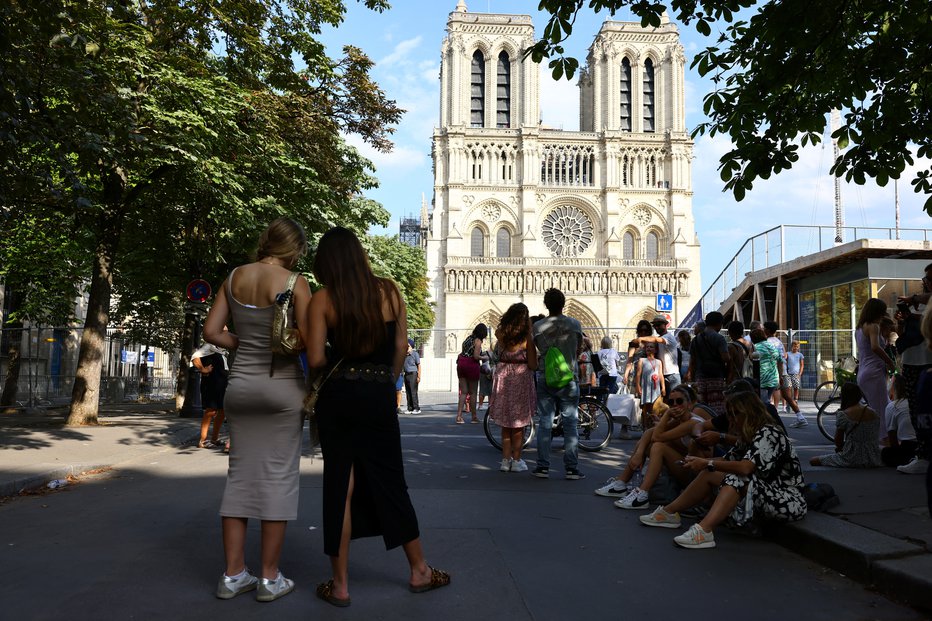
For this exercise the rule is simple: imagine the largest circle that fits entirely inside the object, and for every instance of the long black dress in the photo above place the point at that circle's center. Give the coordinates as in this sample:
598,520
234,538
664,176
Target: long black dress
359,431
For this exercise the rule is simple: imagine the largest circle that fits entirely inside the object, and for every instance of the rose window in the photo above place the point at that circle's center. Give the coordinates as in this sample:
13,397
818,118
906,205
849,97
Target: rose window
491,212
567,231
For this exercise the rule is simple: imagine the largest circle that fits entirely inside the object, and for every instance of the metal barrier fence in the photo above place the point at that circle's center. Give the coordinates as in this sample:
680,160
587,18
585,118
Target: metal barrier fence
48,357
821,350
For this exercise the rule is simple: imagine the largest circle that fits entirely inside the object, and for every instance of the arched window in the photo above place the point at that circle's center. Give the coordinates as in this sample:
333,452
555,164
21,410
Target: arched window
477,91
503,243
503,92
625,95
477,243
648,95
627,246
653,245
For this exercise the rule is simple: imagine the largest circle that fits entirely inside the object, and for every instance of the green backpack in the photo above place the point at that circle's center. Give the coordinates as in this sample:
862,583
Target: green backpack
557,373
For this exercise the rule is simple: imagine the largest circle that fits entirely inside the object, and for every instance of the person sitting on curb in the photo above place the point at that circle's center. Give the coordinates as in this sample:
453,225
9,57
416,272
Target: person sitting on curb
665,444
856,429
761,478
901,434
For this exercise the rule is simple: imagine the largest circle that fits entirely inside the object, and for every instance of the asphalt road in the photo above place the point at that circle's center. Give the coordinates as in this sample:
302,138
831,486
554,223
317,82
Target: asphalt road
143,542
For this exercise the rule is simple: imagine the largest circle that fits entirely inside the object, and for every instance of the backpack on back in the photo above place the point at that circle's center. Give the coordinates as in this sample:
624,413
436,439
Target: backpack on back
747,367
557,373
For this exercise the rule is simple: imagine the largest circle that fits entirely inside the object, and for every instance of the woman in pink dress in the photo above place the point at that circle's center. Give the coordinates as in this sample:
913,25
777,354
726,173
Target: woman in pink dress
513,398
873,360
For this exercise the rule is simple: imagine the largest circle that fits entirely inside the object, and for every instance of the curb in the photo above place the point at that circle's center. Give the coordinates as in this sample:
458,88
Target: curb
18,486
31,482
897,568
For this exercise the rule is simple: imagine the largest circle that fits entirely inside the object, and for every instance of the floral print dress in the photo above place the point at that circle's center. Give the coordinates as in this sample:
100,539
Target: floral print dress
774,486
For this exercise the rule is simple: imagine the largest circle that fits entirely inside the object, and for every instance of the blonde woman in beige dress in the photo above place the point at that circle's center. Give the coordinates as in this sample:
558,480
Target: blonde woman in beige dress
263,408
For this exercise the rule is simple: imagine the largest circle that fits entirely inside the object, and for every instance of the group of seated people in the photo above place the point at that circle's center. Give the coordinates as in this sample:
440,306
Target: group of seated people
738,465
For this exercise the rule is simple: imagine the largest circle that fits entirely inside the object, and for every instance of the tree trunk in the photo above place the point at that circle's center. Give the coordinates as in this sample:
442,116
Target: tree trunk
85,397
11,385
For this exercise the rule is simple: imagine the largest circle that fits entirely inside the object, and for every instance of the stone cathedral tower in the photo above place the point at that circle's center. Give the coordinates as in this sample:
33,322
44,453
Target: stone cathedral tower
604,214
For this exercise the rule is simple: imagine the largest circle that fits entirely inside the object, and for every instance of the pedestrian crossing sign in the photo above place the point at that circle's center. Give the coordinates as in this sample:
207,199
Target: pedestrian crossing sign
665,302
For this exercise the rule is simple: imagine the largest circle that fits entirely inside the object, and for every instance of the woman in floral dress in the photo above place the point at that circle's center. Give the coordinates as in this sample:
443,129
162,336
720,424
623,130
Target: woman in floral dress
760,478
514,397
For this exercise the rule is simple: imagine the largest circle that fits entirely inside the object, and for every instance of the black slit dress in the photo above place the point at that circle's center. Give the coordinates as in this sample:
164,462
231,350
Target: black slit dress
359,431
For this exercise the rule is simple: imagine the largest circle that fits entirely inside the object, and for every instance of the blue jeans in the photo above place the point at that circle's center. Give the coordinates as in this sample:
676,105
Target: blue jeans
550,402
610,382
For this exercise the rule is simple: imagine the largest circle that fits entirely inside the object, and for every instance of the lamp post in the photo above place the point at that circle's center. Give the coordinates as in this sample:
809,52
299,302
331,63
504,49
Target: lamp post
198,292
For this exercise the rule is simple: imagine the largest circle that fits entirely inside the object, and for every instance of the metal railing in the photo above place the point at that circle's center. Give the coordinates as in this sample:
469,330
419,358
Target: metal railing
47,363
787,242
555,262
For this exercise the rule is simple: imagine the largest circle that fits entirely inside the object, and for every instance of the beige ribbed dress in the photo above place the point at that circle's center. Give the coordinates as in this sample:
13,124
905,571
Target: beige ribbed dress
263,412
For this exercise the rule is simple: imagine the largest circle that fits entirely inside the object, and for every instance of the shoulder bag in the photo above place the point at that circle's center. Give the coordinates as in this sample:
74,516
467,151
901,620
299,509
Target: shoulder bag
286,340
310,401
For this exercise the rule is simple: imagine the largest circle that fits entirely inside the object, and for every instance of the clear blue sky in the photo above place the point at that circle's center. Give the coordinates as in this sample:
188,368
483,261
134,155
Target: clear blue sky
405,44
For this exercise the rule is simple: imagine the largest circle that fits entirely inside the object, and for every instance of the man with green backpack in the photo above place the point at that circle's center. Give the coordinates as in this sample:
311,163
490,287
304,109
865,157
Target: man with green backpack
559,340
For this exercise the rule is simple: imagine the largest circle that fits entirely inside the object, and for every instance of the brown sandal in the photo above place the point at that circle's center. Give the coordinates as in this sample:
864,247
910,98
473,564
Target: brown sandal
325,592
438,578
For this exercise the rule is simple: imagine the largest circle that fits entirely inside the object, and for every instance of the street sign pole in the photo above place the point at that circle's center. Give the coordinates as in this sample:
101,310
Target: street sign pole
198,292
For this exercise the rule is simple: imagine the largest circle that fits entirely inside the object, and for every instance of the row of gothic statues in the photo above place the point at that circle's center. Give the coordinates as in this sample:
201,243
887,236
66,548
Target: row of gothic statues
576,282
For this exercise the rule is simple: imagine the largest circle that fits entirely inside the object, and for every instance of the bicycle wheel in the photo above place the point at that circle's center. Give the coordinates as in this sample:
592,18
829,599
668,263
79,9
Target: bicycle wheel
493,432
826,417
824,392
594,426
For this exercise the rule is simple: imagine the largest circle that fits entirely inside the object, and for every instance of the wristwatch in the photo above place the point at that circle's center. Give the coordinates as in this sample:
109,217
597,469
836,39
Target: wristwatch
710,466
721,438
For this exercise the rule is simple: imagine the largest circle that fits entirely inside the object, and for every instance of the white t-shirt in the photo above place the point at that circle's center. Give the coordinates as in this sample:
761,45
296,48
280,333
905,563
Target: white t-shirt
897,417
609,360
667,353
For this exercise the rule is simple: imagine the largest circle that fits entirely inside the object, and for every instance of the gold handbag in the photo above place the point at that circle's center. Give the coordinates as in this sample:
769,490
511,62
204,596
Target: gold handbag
310,401
286,340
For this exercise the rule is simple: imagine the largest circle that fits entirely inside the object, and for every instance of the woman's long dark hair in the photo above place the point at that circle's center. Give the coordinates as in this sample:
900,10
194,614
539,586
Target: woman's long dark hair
341,265
872,310
513,327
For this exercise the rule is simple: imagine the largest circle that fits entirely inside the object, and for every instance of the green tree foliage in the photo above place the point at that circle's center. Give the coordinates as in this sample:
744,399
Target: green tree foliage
407,266
779,73
159,138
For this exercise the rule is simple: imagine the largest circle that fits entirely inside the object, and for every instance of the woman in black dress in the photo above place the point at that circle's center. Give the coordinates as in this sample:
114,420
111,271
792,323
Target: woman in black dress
365,494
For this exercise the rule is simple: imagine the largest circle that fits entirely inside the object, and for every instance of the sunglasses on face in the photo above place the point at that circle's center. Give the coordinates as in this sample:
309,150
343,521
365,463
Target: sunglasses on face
676,401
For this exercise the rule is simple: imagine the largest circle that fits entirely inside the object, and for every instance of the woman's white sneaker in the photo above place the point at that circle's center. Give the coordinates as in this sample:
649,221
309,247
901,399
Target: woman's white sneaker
229,588
659,517
270,590
615,488
518,465
916,466
636,499
506,465
695,538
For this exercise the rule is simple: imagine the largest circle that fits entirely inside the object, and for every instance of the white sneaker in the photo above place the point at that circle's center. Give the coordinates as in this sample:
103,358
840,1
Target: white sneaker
615,488
800,422
636,499
506,465
417,411
270,590
661,519
518,465
229,588
695,538
916,466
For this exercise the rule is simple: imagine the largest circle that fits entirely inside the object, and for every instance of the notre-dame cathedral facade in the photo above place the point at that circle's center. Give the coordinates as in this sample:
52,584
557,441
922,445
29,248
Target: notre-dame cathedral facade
604,213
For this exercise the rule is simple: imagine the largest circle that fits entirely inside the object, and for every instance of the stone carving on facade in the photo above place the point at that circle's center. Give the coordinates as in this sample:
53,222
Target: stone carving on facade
468,200
662,204
541,198
642,216
491,212
451,343
567,231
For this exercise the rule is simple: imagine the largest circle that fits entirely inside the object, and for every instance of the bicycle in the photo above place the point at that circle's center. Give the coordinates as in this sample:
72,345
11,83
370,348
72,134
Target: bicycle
594,426
826,417
846,370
